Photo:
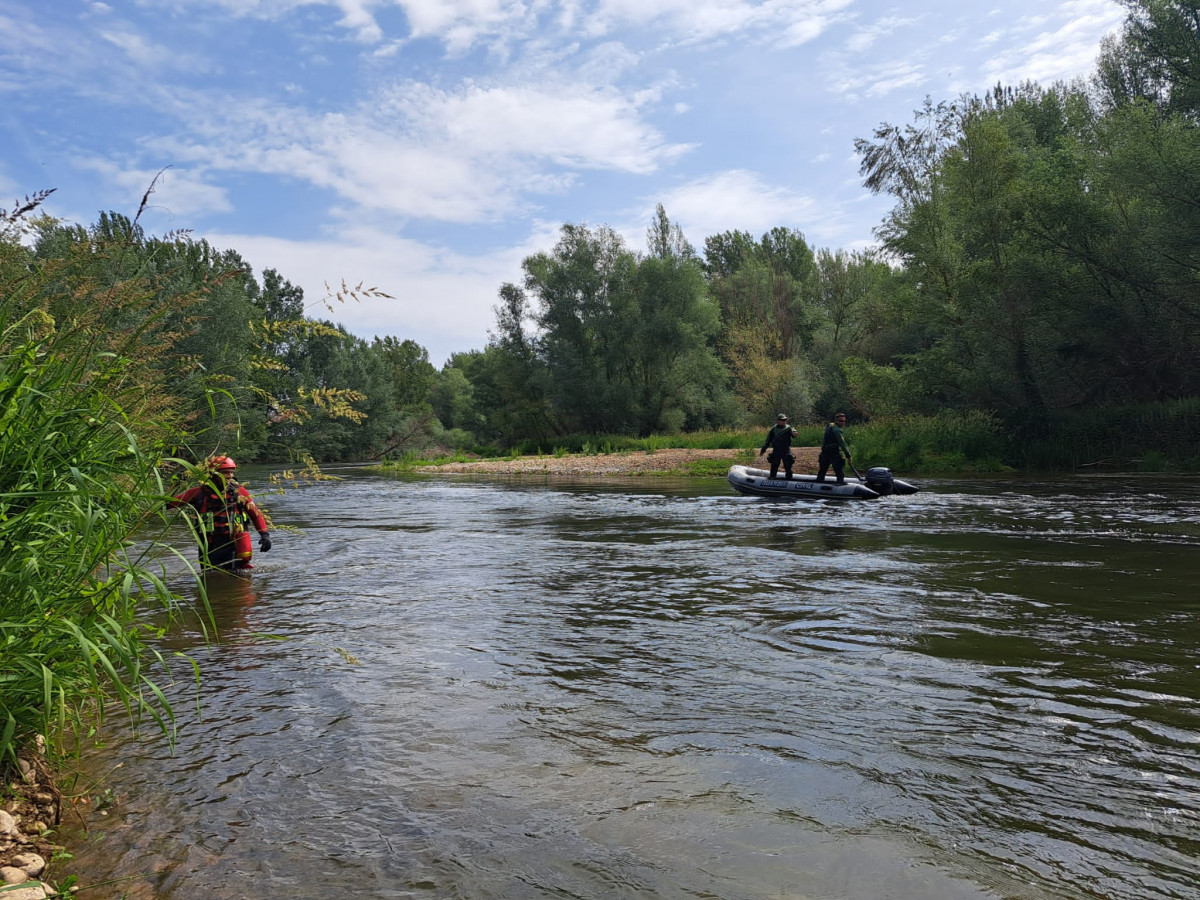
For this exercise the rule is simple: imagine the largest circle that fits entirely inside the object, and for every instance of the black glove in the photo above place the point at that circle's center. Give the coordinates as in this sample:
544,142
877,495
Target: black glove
264,542
762,451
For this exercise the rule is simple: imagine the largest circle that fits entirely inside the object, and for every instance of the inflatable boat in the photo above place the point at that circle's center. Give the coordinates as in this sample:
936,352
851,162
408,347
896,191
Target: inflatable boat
878,482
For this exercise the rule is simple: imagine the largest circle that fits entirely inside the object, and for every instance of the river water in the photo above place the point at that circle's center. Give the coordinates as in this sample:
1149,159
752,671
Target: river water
645,688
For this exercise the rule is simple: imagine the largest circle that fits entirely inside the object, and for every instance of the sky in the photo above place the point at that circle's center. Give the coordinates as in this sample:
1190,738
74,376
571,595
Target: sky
424,148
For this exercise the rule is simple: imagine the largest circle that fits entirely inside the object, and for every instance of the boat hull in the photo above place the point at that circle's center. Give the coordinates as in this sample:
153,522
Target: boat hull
759,483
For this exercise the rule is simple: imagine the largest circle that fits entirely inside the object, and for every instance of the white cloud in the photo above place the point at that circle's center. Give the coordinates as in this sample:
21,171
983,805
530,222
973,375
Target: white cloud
441,299
863,39
147,54
787,22
1062,53
575,125
878,80
467,155
179,194
462,24
733,200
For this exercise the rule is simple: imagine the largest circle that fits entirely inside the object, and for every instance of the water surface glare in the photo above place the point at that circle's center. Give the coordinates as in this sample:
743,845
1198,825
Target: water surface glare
646,688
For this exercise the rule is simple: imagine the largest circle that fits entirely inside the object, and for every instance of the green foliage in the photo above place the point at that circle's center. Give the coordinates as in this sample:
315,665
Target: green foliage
970,441
453,396
712,468
627,343
1054,246
356,419
1153,462
82,422
1121,437
876,390
412,373
724,439
1154,60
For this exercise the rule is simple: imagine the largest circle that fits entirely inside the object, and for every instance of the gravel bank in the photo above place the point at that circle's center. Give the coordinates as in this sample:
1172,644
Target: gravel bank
660,462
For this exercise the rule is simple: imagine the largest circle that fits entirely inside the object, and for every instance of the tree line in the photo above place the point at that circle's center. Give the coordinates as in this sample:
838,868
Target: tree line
1039,263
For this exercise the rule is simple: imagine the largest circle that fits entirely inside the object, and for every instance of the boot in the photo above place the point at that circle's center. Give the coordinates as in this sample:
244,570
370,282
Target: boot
774,471
788,475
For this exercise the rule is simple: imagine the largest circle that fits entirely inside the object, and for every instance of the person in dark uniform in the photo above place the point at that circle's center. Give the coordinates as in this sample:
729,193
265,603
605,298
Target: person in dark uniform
779,439
225,510
832,447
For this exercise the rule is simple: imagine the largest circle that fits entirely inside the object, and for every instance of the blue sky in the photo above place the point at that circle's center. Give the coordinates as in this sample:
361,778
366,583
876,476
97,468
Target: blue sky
425,147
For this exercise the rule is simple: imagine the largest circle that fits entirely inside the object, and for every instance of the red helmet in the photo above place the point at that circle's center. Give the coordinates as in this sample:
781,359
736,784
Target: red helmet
219,463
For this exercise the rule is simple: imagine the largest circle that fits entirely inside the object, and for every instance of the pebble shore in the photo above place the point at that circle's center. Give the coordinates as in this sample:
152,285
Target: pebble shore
613,464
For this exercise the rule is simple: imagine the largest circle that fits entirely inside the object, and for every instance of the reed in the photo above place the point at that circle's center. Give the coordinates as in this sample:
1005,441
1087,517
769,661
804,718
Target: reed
82,425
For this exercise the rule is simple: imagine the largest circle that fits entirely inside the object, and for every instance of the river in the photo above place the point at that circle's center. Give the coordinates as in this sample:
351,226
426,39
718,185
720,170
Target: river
469,688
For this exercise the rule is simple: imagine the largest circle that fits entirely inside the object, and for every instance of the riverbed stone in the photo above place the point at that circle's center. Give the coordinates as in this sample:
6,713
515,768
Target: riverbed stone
32,864
32,891
8,825
13,875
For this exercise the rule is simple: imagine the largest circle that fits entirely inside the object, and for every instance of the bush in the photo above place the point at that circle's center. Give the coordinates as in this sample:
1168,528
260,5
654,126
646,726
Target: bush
951,441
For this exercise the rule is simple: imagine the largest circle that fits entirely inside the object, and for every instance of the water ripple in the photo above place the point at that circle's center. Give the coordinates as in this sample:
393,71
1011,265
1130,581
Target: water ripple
466,689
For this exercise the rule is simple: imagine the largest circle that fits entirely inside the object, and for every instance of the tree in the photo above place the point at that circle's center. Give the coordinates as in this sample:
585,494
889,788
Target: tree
1156,58
511,381
346,408
665,240
768,294
772,280
1049,246
453,395
626,344
412,373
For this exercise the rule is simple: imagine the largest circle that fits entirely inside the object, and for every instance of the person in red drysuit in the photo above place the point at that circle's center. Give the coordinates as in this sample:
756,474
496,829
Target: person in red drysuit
225,510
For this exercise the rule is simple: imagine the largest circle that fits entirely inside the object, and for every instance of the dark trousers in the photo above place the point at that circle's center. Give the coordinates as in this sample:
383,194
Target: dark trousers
788,460
220,553
827,459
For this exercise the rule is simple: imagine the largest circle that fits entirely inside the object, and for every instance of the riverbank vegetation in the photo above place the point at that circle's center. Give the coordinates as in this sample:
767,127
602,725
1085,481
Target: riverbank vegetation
1033,303
85,423
126,360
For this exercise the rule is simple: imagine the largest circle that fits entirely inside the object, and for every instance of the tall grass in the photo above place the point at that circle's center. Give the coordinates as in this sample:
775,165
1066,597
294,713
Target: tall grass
82,427
1147,437
950,441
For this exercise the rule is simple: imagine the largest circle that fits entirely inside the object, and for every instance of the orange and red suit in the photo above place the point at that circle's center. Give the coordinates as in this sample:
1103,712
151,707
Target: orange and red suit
224,516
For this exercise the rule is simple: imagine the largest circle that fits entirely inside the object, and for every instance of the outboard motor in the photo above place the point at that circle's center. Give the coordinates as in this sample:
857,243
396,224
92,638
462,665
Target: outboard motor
880,480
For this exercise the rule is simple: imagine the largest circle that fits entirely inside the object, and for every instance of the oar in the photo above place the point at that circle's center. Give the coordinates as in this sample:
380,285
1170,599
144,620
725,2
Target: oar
855,471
